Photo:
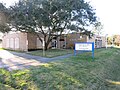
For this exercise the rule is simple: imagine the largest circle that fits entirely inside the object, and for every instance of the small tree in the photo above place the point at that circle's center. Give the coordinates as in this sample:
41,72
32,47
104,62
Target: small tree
98,28
116,40
51,17
109,40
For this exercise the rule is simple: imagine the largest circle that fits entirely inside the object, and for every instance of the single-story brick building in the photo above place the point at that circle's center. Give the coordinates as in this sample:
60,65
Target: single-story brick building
20,41
26,41
99,41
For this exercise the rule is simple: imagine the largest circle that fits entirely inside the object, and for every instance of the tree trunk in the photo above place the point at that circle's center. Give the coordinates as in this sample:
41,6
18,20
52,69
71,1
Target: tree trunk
46,47
47,43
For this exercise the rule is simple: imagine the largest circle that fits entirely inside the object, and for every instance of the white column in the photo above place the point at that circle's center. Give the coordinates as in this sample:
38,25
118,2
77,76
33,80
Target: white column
106,40
43,47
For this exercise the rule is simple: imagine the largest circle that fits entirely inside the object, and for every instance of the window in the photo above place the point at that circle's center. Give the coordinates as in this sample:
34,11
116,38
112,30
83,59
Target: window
81,37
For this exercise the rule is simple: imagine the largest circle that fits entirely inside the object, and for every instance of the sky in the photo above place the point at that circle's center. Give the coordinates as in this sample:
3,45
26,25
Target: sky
109,14
8,2
107,10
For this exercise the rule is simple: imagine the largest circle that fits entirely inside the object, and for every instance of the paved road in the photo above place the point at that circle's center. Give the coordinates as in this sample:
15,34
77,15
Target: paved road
13,60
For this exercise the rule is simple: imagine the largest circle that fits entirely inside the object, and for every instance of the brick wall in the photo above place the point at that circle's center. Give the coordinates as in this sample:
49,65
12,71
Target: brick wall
32,41
15,41
76,37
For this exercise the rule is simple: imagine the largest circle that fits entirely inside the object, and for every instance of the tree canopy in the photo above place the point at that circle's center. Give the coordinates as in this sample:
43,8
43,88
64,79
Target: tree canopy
4,27
51,17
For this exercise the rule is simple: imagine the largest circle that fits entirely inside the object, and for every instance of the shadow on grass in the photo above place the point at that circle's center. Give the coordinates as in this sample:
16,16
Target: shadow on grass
55,78
13,80
75,73
85,56
45,77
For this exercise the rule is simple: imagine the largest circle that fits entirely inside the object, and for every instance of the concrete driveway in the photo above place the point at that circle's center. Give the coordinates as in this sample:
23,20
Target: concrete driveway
13,60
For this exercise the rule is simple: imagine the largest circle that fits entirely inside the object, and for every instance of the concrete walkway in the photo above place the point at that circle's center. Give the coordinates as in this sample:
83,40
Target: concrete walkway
13,60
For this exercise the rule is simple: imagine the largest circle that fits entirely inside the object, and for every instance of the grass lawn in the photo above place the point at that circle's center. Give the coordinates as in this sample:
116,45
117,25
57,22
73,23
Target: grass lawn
75,73
51,52
1,49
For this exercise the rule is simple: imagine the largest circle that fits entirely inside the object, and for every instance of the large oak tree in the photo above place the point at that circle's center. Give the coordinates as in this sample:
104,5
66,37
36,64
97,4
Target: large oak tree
51,17
4,26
